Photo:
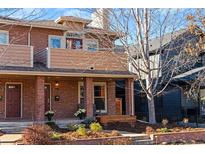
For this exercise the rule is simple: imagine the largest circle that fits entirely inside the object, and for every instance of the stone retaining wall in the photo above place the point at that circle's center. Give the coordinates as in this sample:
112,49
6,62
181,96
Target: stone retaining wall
178,136
120,140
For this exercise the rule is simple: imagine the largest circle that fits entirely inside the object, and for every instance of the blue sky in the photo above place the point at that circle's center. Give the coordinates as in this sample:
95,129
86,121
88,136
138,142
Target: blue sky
47,13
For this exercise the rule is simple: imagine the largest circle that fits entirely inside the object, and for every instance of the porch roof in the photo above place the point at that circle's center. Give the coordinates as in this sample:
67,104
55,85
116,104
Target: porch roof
189,74
39,69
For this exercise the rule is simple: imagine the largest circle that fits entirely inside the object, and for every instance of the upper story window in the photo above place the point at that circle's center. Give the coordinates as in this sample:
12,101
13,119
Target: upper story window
4,37
55,41
74,41
91,45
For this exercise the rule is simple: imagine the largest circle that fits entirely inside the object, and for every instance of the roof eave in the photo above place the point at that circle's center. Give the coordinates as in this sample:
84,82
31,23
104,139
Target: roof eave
66,74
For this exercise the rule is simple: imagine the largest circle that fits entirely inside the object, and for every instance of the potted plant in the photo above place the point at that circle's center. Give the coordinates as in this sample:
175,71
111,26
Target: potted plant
80,113
49,114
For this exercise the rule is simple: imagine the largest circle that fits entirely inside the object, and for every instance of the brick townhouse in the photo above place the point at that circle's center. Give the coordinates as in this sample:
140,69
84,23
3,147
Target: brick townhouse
60,65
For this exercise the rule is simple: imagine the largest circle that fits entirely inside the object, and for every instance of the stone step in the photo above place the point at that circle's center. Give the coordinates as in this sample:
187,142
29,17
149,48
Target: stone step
135,136
2,124
10,139
14,127
144,142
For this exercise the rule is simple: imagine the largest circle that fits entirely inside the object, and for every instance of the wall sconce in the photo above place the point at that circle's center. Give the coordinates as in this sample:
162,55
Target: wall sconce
57,84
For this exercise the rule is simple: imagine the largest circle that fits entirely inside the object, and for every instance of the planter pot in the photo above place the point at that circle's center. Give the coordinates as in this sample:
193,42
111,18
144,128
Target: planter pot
49,117
81,116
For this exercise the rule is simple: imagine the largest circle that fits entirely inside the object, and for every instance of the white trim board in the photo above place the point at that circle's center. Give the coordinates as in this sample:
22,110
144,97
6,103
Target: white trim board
50,95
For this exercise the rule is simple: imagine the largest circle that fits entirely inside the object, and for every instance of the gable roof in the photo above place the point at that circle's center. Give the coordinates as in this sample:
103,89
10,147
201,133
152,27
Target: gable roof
155,43
72,18
51,24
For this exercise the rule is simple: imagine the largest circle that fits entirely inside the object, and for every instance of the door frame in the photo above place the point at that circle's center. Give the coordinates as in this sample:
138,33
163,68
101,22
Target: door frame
14,83
50,93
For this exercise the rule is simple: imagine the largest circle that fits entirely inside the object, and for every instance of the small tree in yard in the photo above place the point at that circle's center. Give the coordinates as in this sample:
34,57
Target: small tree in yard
154,63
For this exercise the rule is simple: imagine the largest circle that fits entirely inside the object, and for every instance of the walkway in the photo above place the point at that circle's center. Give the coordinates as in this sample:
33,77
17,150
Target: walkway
10,139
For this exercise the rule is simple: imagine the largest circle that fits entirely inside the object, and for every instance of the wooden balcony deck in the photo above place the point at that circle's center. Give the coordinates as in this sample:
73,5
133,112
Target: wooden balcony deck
16,55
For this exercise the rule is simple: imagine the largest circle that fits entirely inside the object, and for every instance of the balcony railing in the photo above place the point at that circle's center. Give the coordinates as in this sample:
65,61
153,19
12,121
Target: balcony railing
85,60
16,55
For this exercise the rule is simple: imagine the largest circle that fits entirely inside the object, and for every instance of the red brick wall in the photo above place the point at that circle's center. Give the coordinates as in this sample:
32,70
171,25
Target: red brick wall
111,97
89,90
39,37
68,104
65,108
28,95
39,99
67,90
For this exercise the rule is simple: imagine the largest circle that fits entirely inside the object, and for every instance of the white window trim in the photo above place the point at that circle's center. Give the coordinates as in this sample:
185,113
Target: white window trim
95,83
85,42
20,83
50,95
57,36
7,32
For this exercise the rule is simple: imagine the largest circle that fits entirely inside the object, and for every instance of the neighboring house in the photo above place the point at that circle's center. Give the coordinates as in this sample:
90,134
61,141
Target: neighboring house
59,65
173,102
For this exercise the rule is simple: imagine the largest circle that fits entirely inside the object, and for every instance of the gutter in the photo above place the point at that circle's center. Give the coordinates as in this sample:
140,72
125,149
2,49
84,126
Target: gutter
66,74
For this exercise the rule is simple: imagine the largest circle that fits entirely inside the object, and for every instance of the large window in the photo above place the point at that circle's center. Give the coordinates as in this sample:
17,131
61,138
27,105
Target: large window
4,37
100,96
55,41
91,45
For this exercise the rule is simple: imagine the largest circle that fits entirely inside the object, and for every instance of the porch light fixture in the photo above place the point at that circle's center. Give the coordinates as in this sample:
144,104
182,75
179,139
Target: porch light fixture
57,84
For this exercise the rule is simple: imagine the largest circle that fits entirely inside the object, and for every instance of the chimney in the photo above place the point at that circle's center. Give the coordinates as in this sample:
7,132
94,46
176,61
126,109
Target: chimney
100,18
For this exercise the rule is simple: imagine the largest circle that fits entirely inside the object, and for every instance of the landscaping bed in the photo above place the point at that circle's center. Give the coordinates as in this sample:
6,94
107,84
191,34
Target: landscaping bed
149,128
1,133
183,137
165,134
45,135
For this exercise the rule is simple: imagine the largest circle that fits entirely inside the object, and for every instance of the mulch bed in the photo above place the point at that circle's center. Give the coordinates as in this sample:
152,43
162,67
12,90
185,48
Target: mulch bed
149,128
90,135
1,133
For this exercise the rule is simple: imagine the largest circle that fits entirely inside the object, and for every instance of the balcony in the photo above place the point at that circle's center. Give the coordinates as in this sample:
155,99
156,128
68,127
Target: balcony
16,55
83,60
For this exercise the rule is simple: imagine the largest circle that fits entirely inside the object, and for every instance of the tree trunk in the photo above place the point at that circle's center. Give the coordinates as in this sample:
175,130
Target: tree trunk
151,108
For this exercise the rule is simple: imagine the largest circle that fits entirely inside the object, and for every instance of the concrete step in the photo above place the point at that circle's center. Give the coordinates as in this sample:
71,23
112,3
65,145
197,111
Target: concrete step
144,142
10,139
14,127
135,136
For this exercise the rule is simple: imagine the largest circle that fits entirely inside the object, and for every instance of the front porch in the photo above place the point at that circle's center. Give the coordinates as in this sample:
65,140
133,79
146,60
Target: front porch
64,95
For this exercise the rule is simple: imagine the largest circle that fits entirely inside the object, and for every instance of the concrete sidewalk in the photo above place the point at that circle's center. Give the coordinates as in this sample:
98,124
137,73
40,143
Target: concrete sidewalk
10,139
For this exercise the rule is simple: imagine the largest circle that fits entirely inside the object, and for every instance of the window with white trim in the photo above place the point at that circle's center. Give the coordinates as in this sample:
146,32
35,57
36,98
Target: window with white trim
55,41
91,45
4,37
100,96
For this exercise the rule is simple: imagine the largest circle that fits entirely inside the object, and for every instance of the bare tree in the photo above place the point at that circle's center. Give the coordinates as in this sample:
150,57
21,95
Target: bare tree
156,46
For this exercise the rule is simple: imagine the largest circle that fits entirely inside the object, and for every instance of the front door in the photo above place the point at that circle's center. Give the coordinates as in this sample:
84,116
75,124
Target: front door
13,100
47,97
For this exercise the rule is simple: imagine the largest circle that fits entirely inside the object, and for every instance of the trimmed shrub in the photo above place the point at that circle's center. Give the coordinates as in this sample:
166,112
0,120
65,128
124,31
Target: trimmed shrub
56,136
81,131
95,127
37,135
